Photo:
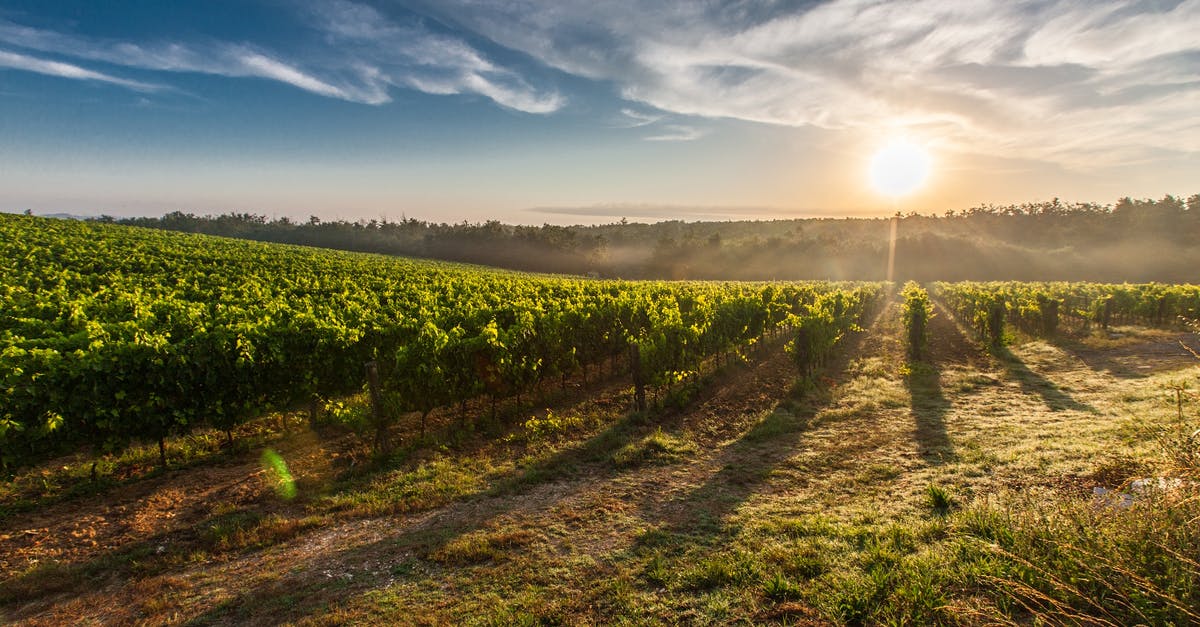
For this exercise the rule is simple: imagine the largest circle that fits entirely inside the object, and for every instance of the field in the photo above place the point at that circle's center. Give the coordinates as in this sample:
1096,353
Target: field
804,464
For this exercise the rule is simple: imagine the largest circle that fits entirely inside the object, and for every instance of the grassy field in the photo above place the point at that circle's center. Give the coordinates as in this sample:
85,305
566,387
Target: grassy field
888,491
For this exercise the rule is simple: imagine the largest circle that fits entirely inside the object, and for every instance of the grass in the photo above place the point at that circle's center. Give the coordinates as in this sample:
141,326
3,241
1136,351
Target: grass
938,499
954,491
1060,558
482,546
656,448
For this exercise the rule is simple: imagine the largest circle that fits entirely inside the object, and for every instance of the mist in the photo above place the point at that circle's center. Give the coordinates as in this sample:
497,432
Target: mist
1130,240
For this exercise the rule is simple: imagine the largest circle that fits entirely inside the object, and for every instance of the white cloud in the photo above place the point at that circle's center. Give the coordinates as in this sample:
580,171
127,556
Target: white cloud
1078,83
260,65
512,96
633,118
360,57
67,70
1070,81
412,55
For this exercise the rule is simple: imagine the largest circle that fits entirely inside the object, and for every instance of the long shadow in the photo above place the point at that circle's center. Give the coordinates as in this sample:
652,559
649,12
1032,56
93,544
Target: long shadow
1033,383
929,408
302,590
146,557
750,461
297,595
747,464
1129,362
152,555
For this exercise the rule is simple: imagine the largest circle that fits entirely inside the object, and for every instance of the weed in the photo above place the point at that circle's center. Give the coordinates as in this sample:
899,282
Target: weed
539,428
246,529
656,572
852,599
778,588
938,499
1139,565
719,570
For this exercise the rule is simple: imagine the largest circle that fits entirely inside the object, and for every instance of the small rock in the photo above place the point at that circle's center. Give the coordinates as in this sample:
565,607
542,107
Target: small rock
1111,498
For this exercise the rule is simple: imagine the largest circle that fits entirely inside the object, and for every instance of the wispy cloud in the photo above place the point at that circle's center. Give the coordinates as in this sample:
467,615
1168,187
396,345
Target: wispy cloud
661,126
632,118
261,65
1072,82
676,133
67,70
411,55
1078,83
216,58
359,55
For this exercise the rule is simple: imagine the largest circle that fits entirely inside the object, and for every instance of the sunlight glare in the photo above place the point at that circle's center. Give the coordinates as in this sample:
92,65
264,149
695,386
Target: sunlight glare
899,168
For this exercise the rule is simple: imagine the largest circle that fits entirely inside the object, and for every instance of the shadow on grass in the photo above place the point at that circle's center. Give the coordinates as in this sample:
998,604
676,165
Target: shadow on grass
466,532
1135,361
747,465
1096,360
929,408
470,536
252,528
750,461
1033,383
305,585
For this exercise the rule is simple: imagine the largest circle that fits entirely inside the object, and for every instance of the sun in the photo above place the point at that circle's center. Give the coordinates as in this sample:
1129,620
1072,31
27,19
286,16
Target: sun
899,168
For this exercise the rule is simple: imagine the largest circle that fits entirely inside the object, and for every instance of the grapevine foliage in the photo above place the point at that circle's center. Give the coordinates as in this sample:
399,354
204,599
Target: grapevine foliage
918,309
110,334
1040,308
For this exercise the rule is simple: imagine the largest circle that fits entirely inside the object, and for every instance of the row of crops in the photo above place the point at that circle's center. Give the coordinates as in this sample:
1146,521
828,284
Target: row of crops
112,334
1040,308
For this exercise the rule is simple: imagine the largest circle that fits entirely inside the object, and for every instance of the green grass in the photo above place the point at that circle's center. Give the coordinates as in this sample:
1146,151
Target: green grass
655,448
939,499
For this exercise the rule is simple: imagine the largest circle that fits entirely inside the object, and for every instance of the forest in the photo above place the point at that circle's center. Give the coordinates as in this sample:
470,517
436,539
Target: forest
1130,240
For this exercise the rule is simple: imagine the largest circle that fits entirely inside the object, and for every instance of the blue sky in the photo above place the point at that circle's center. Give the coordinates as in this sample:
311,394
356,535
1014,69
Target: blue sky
580,111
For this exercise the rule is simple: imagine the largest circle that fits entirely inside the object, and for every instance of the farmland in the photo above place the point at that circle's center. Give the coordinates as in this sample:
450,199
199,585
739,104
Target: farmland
190,437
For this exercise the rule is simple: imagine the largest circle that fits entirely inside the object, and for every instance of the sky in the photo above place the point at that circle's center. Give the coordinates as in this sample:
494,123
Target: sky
574,111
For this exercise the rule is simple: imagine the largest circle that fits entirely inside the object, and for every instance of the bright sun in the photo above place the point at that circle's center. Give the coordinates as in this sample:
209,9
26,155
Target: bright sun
899,168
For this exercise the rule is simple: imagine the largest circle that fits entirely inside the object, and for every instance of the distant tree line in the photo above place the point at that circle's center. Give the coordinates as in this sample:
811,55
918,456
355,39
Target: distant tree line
1131,240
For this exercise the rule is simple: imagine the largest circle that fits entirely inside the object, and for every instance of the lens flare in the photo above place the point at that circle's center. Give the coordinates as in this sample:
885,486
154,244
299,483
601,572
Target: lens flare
277,470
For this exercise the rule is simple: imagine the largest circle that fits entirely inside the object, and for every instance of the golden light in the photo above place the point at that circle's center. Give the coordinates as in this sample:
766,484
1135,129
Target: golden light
899,168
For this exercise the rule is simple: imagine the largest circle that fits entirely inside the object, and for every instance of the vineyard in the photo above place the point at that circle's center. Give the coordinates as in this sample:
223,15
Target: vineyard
1039,308
114,334
427,443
